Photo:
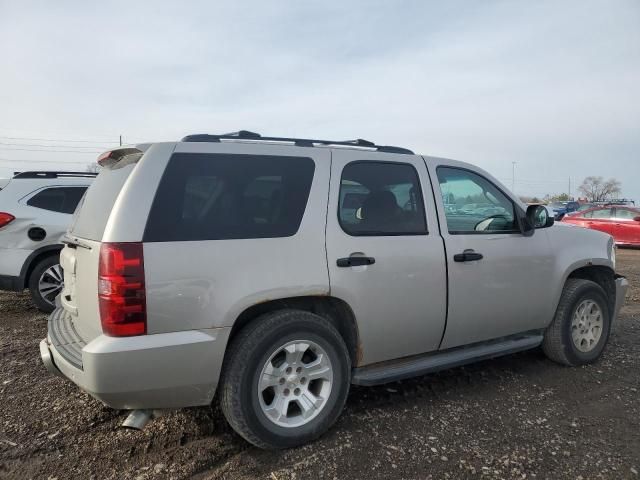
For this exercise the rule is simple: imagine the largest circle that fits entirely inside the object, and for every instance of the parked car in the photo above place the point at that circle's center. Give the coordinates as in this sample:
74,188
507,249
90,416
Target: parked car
560,209
620,221
35,211
235,263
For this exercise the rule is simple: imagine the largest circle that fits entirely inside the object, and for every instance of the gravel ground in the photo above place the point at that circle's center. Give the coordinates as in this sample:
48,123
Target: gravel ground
516,417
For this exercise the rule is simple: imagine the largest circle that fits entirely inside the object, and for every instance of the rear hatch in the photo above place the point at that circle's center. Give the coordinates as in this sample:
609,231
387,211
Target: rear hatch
81,255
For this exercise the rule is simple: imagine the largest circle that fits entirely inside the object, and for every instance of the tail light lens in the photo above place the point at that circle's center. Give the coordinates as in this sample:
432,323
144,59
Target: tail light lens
6,219
121,289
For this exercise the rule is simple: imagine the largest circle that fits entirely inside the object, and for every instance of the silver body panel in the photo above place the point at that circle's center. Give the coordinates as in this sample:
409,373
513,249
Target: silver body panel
230,276
400,300
413,300
501,294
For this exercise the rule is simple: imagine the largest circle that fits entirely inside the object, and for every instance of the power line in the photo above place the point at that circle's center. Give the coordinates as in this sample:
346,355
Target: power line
49,146
50,151
76,162
95,142
538,182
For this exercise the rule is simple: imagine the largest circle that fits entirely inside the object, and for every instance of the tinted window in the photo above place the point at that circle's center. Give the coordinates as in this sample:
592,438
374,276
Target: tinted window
378,198
473,204
624,214
58,199
223,196
600,213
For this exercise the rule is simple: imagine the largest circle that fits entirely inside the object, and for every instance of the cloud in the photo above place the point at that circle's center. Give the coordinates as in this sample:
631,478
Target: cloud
550,85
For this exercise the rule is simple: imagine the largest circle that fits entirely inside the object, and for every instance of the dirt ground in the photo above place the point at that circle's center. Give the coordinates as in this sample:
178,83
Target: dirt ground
515,417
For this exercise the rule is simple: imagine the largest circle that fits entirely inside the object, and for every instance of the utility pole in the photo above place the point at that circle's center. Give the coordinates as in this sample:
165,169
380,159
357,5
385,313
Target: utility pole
569,188
513,177
120,140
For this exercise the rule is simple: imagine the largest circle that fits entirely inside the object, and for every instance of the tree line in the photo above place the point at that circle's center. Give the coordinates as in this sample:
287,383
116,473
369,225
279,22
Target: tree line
593,188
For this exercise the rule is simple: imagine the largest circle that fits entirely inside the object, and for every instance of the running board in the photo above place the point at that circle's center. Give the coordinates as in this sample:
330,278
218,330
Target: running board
394,370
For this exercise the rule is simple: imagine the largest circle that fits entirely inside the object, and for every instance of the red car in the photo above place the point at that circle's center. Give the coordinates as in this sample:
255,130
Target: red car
622,222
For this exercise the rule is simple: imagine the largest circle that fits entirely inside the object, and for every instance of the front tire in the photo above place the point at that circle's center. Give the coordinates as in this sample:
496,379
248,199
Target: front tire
580,329
46,282
285,379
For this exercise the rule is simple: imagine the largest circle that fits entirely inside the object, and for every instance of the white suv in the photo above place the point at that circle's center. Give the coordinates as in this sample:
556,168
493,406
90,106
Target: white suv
35,211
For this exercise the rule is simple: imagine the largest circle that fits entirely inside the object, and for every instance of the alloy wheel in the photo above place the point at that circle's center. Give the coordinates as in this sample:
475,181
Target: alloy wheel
295,383
50,283
587,325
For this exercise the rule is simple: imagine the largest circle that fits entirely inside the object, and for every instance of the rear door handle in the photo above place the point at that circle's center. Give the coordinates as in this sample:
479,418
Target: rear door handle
355,261
467,256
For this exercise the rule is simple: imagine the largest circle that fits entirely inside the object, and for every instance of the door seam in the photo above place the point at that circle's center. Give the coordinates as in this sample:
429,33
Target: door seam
444,248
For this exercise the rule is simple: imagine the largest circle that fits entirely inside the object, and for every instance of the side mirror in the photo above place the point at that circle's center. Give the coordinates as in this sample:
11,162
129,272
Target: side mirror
539,216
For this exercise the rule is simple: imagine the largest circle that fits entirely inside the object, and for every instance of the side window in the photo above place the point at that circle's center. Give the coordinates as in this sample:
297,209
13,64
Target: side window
225,196
473,204
624,214
603,213
381,198
58,199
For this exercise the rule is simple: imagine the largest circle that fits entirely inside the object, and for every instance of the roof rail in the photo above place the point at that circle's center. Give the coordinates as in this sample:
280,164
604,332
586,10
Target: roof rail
300,142
615,201
52,174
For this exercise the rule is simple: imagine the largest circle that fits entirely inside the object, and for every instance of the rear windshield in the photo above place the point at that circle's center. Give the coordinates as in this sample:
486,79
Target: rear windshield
225,196
93,212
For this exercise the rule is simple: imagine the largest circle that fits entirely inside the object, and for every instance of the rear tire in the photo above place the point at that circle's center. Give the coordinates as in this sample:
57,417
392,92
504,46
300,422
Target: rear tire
580,329
285,379
45,283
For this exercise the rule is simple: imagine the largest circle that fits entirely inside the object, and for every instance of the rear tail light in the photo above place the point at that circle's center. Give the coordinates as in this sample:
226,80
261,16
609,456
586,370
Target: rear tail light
6,219
121,289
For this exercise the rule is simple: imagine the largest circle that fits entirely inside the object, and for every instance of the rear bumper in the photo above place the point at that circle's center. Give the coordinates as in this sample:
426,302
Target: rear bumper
622,284
168,370
47,359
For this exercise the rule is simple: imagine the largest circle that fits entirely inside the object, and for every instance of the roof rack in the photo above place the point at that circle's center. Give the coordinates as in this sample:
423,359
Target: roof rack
615,201
300,142
52,174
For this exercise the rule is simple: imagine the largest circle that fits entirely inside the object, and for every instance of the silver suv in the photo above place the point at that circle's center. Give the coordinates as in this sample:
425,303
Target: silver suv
35,212
277,272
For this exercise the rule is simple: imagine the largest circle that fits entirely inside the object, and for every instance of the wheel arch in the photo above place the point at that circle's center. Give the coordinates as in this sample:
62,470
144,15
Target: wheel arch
33,259
337,311
603,275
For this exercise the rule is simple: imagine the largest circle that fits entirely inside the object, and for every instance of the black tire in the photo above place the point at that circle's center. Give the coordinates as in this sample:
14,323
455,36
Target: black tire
41,303
245,358
558,344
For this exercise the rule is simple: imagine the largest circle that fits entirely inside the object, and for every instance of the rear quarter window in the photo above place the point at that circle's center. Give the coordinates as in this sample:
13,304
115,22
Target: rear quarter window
58,199
226,196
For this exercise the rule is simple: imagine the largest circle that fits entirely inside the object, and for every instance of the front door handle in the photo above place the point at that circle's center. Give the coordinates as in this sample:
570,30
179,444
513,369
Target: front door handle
467,256
355,261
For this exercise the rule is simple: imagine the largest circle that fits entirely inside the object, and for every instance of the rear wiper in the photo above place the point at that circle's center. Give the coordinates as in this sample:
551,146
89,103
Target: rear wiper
74,242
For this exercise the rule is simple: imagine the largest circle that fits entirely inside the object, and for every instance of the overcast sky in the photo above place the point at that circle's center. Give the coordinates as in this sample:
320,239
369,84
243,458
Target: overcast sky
553,86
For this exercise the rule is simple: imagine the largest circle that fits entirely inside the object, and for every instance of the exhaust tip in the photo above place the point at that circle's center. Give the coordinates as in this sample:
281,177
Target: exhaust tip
138,419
